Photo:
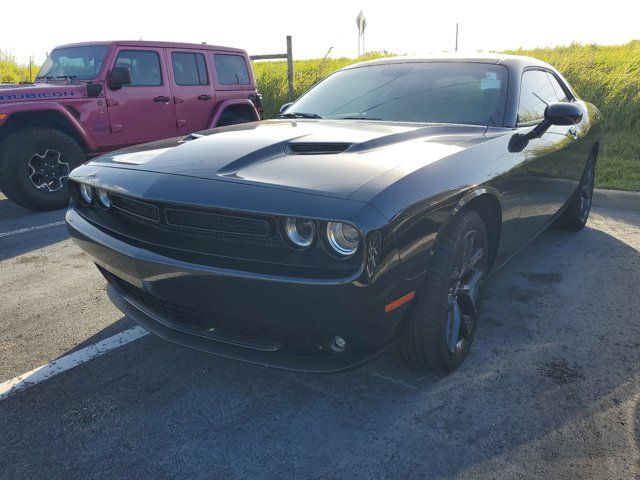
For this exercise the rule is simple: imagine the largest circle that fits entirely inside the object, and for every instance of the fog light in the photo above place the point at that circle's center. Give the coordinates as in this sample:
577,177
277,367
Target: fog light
339,342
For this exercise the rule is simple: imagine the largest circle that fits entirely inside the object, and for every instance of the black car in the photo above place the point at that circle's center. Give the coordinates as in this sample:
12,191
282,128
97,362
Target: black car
369,214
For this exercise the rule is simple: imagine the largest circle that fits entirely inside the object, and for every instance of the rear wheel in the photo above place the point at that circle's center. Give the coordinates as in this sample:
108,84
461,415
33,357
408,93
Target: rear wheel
34,167
577,213
440,333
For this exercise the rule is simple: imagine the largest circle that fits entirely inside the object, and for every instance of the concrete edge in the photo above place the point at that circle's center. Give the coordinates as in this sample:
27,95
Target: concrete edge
618,199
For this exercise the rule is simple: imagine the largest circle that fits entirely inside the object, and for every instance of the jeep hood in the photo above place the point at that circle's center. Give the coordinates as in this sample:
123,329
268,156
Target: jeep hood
327,157
38,91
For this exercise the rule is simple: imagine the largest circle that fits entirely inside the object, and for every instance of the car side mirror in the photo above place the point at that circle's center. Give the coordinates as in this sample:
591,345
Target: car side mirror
559,113
285,106
118,77
563,113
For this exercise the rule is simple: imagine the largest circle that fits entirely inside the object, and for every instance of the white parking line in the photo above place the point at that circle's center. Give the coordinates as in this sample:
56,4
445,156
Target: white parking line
70,361
30,229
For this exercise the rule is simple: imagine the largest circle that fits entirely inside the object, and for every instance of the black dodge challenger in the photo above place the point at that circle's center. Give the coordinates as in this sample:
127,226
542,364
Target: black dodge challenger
368,214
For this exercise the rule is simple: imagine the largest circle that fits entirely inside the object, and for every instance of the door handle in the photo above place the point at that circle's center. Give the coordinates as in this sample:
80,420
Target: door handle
574,133
204,97
161,99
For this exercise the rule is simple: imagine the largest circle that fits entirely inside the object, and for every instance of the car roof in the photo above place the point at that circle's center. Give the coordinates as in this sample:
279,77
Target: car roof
148,43
516,61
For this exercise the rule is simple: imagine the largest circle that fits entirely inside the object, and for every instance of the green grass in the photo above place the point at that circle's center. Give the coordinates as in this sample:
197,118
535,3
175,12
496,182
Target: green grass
618,166
11,71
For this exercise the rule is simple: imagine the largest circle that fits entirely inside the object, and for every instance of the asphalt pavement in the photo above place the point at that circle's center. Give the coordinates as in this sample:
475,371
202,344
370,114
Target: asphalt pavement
551,388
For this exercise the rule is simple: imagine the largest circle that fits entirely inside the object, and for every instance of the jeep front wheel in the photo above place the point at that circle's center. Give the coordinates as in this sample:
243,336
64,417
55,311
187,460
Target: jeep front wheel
34,167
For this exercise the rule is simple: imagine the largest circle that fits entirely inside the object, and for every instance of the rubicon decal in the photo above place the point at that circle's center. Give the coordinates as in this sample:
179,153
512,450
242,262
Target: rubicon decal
34,96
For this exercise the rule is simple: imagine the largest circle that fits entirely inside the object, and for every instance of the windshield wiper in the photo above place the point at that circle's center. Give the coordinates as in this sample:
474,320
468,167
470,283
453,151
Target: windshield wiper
298,115
46,78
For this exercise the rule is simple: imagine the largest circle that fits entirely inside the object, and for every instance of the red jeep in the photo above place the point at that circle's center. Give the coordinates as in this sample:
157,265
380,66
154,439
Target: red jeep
90,98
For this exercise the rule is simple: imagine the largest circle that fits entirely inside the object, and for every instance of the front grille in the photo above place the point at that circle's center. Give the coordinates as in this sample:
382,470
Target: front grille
216,223
196,220
247,331
144,210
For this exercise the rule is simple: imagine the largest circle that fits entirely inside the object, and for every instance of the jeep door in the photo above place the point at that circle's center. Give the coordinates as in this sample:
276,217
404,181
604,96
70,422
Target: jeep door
193,94
143,110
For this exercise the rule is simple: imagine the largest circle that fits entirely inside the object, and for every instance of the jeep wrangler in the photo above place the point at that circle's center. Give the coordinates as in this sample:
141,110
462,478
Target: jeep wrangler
91,98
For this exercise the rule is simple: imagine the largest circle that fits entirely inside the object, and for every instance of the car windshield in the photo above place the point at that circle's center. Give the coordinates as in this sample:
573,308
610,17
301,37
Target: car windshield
441,92
77,63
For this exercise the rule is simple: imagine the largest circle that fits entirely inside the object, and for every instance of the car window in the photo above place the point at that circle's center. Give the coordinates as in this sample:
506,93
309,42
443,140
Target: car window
231,69
144,66
560,93
441,92
536,92
189,68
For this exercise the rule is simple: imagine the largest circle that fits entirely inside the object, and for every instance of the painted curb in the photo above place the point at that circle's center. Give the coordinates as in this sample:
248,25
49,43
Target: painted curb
616,199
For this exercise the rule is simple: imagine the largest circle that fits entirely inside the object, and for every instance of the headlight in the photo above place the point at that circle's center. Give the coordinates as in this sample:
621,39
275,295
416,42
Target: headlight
86,193
300,231
104,198
343,238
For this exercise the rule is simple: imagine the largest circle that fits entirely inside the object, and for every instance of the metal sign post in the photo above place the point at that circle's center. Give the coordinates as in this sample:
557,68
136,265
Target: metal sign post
361,22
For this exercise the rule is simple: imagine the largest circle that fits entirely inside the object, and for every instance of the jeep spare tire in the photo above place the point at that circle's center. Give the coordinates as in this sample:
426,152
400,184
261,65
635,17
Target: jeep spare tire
34,167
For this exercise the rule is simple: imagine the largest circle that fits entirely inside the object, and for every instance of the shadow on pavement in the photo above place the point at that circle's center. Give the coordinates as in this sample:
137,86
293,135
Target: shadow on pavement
14,218
556,355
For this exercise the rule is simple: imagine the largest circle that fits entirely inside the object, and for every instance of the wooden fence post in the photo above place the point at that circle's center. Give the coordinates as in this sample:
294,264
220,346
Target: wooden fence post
290,67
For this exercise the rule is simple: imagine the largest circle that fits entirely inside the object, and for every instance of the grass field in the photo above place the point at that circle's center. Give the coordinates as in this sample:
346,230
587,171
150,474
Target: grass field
608,76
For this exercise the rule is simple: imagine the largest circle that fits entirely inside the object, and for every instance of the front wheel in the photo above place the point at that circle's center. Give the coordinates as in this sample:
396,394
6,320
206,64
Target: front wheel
35,164
440,333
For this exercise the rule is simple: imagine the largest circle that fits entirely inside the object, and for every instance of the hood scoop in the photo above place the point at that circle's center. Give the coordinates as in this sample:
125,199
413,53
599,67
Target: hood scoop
315,148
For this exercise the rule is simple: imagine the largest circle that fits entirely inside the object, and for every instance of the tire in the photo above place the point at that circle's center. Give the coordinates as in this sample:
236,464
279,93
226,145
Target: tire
431,339
575,216
38,156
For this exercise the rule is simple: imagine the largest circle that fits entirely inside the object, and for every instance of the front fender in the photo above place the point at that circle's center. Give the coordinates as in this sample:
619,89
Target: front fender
417,227
12,109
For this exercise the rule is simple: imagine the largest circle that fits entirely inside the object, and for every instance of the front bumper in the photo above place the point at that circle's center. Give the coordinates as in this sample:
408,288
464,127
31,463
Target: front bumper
277,321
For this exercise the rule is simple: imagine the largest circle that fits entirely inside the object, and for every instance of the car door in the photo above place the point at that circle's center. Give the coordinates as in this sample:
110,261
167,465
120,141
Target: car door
193,93
141,111
550,159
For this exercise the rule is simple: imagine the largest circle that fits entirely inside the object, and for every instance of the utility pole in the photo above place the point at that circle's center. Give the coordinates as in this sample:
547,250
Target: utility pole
456,36
30,63
290,67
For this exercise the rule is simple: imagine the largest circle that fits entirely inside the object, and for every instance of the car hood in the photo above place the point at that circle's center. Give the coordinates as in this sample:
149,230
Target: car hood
326,157
37,91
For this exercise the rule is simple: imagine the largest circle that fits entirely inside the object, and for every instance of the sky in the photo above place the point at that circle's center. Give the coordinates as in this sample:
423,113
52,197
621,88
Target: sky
260,27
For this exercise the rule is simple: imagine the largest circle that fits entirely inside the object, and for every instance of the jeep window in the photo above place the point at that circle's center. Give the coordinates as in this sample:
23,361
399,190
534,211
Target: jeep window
189,69
79,63
231,69
144,66
441,92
